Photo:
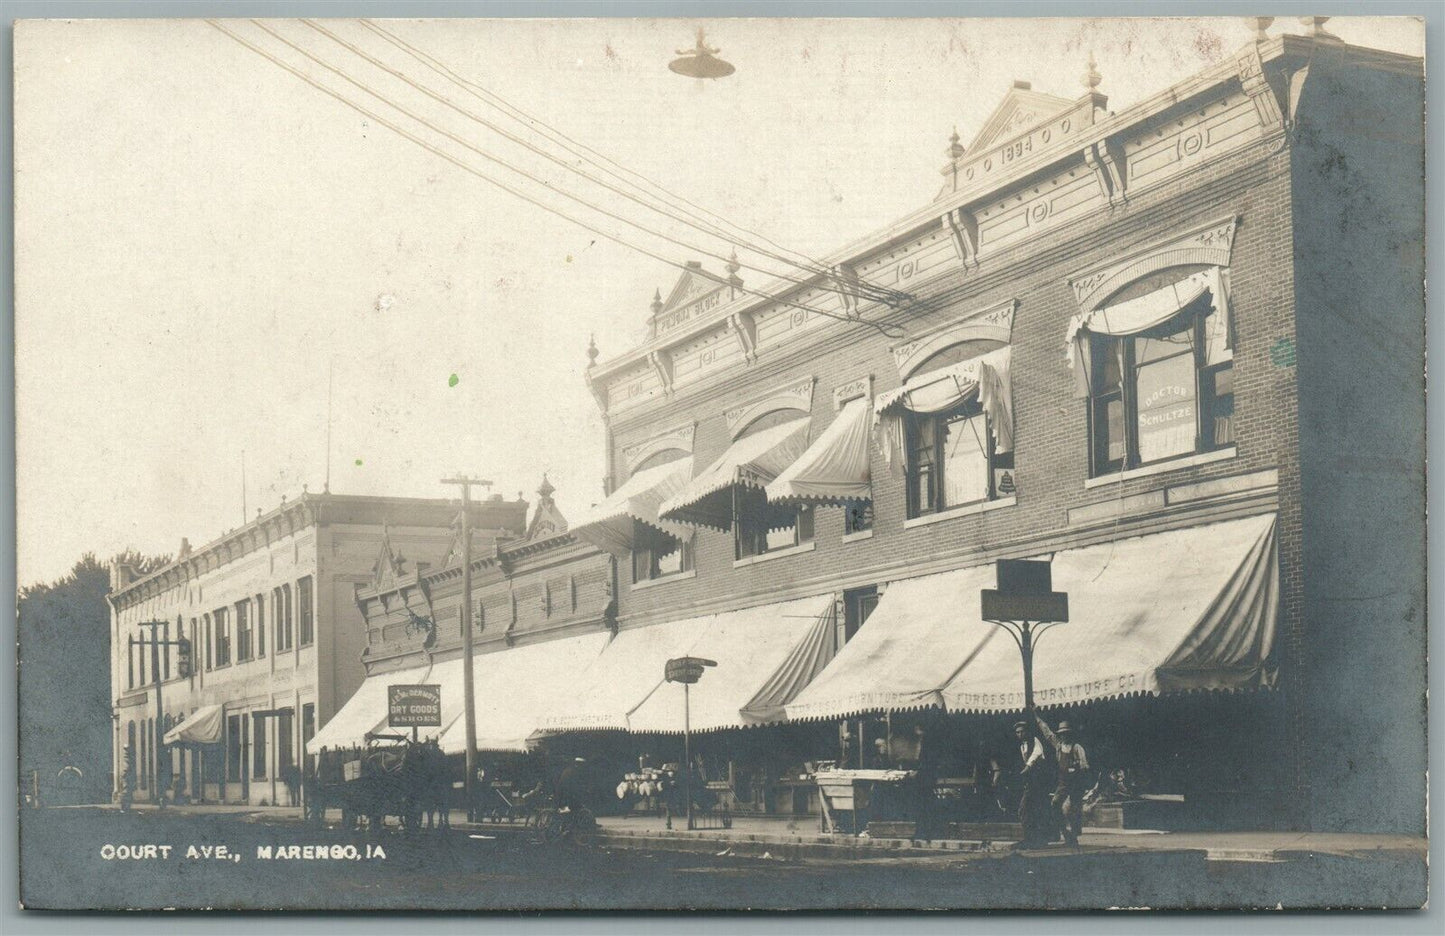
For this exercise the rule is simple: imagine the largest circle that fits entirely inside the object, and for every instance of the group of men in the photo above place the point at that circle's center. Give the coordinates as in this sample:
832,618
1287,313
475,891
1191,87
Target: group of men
1047,814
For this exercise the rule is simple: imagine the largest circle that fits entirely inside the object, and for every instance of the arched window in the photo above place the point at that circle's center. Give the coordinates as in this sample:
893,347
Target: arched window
1167,390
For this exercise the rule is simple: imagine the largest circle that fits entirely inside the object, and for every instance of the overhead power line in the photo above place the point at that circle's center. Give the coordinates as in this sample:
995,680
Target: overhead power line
890,331
632,190
430,125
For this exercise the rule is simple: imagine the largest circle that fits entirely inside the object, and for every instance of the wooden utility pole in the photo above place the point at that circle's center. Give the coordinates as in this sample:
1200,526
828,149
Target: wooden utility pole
468,692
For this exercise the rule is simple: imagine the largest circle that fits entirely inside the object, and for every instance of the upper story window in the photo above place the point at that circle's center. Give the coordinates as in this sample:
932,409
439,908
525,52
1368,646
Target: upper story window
953,423
1166,390
656,554
206,641
281,613
952,459
260,606
305,612
222,629
761,527
243,631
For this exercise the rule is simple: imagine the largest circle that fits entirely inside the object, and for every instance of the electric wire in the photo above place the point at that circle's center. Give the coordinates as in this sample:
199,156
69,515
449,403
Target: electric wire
875,293
601,161
887,330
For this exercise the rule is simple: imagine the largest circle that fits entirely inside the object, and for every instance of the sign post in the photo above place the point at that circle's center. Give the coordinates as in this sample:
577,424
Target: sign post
1025,605
468,693
686,670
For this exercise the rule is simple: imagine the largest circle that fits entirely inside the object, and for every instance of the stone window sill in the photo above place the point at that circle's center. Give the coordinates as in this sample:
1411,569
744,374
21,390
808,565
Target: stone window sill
664,579
775,554
1173,464
857,537
967,510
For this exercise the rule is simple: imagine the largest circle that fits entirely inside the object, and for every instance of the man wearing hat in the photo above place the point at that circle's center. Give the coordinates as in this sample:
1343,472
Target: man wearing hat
1034,812
1073,764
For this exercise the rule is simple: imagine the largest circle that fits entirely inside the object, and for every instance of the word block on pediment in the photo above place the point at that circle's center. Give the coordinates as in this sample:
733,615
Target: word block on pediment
795,396
1209,244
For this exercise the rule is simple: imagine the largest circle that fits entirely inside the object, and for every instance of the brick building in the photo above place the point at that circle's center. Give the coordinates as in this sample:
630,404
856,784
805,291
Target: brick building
1176,349
276,636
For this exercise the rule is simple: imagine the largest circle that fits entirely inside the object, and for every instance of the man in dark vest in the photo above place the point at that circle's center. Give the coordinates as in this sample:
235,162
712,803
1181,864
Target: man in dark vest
1035,773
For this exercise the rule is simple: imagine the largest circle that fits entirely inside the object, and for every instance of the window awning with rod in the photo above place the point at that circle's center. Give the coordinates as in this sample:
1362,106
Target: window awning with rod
765,655
986,377
752,461
1140,314
610,524
1187,609
835,468
203,726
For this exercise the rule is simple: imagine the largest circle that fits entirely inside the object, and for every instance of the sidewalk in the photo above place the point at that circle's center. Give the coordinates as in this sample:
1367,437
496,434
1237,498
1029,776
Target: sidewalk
799,837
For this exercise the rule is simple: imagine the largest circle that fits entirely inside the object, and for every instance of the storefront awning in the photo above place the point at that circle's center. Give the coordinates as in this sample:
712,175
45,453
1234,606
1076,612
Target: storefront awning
753,461
1169,612
610,524
515,688
364,712
764,656
835,468
203,726
911,646
1187,609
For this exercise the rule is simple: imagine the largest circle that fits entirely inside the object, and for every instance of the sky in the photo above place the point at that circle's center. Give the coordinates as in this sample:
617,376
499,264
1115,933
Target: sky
212,255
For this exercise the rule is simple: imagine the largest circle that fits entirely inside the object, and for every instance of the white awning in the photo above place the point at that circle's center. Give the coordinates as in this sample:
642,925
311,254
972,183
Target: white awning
911,646
514,689
203,726
1140,314
835,468
752,461
765,655
609,525
987,377
364,712
1188,609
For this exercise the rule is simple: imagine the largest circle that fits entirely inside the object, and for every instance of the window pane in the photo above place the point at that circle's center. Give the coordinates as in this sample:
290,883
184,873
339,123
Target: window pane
1166,407
1222,406
1155,349
1216,337
1114,420
965,460
783,537
670,562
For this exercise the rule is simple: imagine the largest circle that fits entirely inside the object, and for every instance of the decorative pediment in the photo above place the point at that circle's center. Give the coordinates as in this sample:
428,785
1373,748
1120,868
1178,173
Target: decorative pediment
639,452
1020,108
389,565
795,396
992,324
694,295
1209,244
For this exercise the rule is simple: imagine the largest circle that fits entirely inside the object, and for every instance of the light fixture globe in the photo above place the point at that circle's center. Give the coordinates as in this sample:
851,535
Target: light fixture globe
701,61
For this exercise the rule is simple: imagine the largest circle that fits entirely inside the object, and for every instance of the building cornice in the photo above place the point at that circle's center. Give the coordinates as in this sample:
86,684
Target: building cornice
1089,147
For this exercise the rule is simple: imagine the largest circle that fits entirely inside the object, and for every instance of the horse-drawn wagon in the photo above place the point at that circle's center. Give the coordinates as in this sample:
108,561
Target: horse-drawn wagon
391,776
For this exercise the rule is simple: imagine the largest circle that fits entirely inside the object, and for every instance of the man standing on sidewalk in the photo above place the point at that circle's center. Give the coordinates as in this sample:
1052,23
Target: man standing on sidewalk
1034,804
1068,800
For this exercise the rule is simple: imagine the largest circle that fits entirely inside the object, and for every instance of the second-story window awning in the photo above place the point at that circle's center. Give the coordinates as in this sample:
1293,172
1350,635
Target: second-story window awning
1145,313
986,377
835,468
752,461
611,525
